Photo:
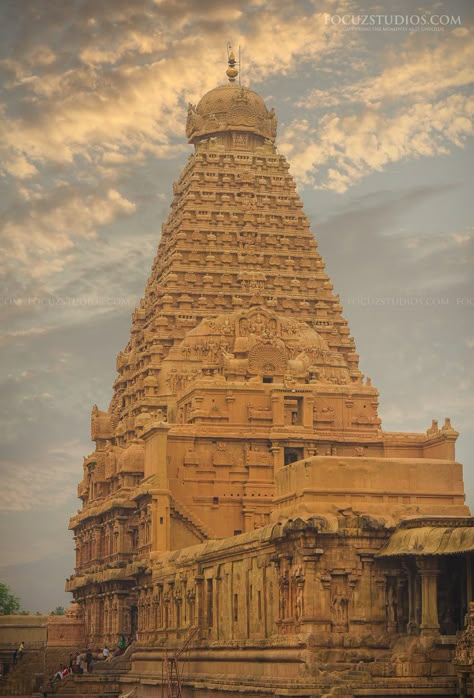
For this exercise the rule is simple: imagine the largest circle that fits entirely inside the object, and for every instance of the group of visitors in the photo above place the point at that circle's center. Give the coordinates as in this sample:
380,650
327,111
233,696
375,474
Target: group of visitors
108,654
83,661
122,645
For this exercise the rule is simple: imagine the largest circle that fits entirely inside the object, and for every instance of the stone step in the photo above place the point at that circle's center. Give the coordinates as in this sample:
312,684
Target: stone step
183,512
20,679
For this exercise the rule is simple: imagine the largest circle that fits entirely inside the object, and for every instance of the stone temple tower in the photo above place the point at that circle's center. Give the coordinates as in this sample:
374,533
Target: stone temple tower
241,483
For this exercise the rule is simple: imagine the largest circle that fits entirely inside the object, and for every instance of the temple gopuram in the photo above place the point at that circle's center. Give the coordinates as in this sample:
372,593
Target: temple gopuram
245,518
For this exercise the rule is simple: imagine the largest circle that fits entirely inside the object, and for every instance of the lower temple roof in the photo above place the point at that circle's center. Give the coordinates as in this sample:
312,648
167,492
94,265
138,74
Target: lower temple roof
444,537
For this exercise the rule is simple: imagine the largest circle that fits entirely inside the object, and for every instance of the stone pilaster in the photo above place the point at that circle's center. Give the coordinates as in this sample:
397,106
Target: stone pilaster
363,590
278,412
308,410
317,594
428,569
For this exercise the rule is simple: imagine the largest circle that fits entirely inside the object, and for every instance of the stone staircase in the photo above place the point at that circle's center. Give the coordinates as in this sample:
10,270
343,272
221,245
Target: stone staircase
120,664
83,686
21,678
181,511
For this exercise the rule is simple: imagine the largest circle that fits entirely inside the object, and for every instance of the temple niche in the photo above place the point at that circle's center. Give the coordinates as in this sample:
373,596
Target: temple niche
241,491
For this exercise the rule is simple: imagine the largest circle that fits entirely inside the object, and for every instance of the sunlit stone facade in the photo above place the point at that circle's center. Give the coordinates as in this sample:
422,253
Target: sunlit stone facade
241,481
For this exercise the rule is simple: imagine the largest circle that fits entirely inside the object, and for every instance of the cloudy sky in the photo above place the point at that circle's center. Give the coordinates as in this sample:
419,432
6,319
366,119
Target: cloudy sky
377,126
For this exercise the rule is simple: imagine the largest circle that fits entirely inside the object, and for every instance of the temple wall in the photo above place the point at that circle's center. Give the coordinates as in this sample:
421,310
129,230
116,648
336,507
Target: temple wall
388,486
63,631
181,535
291,604
239,591
30,628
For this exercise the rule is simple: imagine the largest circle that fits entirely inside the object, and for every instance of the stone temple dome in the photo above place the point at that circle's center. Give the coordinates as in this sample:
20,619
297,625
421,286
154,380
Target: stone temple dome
254,342
230,107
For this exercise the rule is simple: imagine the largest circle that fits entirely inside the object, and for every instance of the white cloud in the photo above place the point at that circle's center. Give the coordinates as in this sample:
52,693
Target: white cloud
116,99
131,83
19,166
47,226
411,73
415,106
341,150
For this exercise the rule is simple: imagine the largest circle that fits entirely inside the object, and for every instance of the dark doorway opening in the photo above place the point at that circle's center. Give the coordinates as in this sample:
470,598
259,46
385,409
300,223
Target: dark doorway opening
292,454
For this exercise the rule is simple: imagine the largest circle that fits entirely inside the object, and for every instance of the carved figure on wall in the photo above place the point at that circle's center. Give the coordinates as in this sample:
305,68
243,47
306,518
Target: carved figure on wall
290,328
299,601
110,458
194,121
100,424
160,414
323,413
391,603
464,652
248,203
92,623
178,380
186,351
142,420
339,603
273,122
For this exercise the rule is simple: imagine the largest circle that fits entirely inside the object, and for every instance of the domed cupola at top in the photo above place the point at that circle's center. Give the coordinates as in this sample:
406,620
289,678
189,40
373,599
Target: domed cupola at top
231,107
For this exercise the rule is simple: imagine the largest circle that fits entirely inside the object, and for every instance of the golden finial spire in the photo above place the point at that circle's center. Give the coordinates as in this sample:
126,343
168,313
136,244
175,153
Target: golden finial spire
231,71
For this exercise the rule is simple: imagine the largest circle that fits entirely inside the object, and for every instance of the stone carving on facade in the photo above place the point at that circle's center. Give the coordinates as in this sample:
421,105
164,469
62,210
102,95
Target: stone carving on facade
258,413
101,427
142,420
257,455
339,606
257,325
366,418
248,202
299,600
464,652
267,359
223,455
324,413
391,603
177,380
222,327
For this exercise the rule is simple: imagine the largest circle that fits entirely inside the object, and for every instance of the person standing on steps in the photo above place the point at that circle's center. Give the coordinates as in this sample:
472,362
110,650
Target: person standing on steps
89,659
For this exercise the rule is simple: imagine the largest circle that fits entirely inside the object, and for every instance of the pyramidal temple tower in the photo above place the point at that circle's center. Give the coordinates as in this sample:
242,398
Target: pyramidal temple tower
236,238
241,489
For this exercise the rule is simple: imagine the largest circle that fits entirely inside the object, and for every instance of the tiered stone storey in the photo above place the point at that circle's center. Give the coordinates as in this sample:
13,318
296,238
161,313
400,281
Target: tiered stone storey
241,481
